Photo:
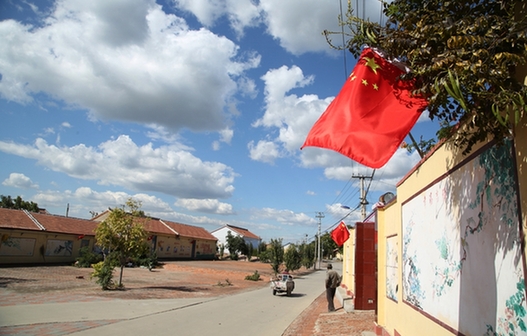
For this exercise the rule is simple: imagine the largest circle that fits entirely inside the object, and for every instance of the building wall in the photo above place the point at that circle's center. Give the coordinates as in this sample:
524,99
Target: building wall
449,258
40,247
254,242
348,264
221,235
171,247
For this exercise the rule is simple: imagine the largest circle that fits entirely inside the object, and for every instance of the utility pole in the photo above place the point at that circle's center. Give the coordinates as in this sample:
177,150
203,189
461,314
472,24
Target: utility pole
319,215
363,201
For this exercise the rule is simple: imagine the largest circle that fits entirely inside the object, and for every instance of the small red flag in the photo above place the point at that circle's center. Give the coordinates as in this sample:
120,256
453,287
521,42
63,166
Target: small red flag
369,118
340,234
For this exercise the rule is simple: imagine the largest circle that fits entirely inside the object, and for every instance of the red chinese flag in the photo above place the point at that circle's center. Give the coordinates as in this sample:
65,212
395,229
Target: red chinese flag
369,118
340,234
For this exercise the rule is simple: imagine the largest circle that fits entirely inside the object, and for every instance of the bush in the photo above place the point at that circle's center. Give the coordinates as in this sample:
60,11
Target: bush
234,256
265,256
253,277
227,283
87,258
103,271
149,261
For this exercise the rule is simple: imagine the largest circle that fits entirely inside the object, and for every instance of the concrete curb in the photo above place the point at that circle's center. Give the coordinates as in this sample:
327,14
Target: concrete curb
347,301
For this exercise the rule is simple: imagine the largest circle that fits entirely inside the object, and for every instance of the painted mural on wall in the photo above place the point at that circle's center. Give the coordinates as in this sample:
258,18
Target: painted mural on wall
59,248
392,267
16,246
462,260
170,247
206,248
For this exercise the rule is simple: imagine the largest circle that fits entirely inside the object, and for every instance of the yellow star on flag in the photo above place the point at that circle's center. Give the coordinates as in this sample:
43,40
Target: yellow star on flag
370,62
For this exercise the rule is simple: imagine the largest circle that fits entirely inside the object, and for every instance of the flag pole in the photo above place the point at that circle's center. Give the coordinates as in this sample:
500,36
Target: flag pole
416,146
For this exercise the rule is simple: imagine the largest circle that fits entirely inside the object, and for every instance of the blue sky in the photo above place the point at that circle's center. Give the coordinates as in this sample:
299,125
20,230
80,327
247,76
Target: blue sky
196,108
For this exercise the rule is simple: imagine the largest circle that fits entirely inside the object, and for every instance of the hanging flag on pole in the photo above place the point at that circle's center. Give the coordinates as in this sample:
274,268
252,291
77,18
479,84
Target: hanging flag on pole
371,115
340,234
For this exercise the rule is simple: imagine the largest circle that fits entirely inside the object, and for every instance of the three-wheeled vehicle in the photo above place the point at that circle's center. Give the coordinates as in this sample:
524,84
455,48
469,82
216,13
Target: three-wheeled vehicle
283,284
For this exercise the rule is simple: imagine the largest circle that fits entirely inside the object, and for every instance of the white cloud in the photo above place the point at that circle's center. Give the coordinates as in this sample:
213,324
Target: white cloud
264,151
205,205
18,180
291,115
240,13
166,169
85,201
299,24
286,217
124,61
226,135
296,24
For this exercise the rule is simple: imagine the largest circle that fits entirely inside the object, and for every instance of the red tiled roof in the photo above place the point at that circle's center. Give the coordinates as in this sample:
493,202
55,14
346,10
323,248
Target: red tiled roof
160,226
185,230
16,219
154,225
55,223
24,220
242,232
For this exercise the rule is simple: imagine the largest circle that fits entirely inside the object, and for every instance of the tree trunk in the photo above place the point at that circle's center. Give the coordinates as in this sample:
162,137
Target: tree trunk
121,276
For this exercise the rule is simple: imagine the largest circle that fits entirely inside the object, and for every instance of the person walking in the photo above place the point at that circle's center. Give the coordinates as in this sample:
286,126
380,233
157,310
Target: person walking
332,282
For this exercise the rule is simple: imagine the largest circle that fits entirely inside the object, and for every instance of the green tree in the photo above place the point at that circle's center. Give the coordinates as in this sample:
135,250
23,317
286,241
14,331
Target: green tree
307,251
249,251
464,57
262,247
263,253
276,254
235,245
328,245
122,235
222,250
18,204
292,258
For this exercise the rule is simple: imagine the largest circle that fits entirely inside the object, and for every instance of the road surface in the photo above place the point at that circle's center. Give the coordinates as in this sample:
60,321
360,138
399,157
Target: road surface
255,312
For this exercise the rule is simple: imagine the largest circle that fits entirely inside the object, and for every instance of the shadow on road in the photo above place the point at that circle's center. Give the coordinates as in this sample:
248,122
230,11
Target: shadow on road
292,295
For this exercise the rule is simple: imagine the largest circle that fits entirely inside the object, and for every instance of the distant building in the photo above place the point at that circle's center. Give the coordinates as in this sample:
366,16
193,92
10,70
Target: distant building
36,238
249,237
287,246
171,240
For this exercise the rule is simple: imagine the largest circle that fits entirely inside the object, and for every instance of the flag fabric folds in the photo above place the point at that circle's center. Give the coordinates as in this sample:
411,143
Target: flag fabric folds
340,234
371,115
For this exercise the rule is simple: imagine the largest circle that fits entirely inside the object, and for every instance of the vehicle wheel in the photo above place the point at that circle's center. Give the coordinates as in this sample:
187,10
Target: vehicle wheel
274,291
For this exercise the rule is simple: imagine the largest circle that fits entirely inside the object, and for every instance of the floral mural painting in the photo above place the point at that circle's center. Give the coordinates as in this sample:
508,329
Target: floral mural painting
412,290
59,248
392,260
462,260
11,246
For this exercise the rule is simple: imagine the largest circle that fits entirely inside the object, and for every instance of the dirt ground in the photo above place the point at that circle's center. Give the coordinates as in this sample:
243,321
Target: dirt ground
175,279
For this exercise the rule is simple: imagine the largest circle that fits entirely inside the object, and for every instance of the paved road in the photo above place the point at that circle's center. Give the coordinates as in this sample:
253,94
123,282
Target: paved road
255,312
